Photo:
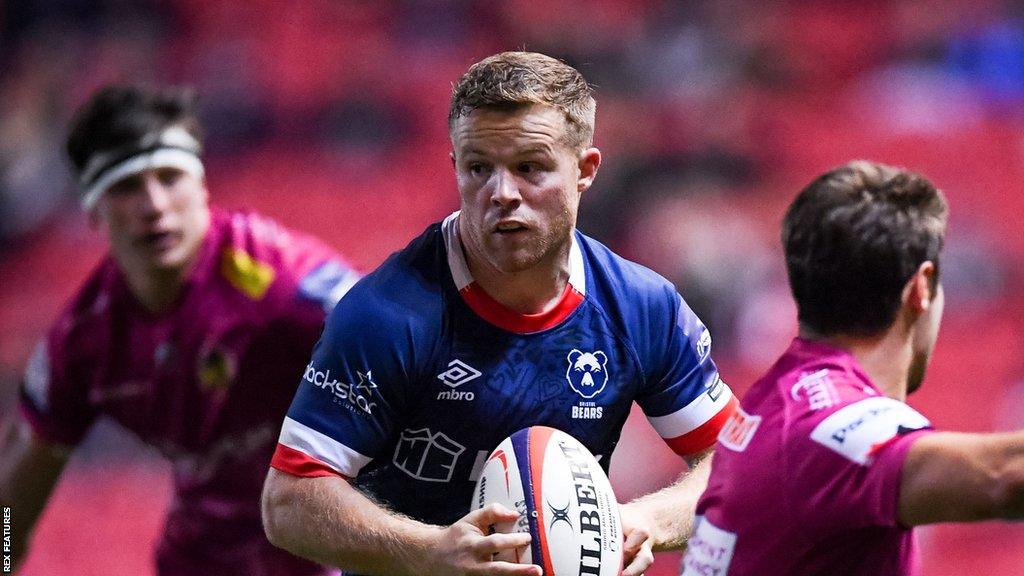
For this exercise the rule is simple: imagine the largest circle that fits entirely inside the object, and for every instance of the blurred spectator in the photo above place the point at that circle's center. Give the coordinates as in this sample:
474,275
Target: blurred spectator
992,59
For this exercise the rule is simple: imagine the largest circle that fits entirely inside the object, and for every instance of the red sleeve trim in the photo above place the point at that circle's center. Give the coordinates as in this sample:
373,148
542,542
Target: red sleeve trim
298,463
705,435
876,448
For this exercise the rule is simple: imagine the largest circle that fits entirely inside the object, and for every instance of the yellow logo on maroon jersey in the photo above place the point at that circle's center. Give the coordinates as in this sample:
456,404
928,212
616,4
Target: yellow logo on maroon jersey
251,277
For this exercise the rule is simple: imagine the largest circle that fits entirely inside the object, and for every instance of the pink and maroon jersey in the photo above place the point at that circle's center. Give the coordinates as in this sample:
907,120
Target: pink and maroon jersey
806,476
207,383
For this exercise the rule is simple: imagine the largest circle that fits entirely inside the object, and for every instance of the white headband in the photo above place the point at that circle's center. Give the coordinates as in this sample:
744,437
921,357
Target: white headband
160,158
172,148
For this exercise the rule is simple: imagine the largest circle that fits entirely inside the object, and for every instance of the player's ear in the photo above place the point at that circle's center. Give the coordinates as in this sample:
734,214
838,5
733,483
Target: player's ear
452,156
589,162
918,291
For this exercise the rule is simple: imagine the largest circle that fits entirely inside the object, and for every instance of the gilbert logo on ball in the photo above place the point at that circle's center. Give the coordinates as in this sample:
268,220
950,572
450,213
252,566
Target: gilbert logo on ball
564,501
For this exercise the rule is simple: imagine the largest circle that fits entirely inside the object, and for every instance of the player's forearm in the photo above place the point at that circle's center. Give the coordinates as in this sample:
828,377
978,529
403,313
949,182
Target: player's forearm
955,477
326,520
1008,476
670,511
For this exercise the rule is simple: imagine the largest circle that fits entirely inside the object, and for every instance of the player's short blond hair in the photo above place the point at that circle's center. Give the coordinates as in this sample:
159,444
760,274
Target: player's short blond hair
513,79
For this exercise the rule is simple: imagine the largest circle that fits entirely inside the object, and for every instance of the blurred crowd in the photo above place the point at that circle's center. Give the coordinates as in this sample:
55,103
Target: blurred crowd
330,115
711,114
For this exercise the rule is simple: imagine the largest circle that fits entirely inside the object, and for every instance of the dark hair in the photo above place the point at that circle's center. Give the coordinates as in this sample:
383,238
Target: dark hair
116,117
512,79
853,238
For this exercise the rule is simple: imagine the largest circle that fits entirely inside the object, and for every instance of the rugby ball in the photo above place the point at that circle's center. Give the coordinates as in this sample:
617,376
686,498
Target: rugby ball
564,501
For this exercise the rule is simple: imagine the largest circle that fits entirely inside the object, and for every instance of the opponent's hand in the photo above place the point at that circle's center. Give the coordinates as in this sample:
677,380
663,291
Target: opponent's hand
466,548
637,554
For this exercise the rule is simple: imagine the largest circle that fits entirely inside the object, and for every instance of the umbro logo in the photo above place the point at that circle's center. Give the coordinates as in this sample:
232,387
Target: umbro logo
457,374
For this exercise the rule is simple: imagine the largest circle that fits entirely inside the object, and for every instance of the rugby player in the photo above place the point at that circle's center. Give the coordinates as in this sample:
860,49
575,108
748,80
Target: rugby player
187,334
500,317
824,469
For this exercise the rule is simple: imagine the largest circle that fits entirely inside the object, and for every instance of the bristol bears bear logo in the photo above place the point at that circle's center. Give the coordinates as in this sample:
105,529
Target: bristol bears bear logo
587,373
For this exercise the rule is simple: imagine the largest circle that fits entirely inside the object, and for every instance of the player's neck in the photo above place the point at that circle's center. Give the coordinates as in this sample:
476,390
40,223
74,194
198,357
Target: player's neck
531,291
885,357
156,292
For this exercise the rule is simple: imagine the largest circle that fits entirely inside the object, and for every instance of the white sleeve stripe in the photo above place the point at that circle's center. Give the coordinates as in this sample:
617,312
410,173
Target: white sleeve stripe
693,415
300,437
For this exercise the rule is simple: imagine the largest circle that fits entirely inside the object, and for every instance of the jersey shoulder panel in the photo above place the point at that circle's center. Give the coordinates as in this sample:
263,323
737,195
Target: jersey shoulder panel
405,293
622,287
847,418
379,342
641,302
74,332
682,393
820,382
255,252
638,302
263,259
843,440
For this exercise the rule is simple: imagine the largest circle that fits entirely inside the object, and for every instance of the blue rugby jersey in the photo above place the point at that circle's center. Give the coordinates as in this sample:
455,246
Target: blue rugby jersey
419,374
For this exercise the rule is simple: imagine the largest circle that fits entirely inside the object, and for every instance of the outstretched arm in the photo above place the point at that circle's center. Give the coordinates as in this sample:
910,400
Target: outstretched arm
663,520
327,520
953,477
29,469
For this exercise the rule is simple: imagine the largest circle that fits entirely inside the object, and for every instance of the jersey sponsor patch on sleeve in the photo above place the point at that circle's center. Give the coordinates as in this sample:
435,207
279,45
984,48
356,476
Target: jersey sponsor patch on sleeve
37,378
739,430
709,551
855,431
327,283
703,345
696,333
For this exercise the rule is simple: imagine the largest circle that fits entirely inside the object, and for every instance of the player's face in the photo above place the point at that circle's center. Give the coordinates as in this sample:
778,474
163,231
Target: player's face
155,220
520,186
926,332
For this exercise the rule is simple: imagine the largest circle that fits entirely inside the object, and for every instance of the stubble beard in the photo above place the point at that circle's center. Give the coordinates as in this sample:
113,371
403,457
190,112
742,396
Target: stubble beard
545,249
521,258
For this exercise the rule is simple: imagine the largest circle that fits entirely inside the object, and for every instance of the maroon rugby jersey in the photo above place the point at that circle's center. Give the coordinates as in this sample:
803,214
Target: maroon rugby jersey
806,476
207,383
